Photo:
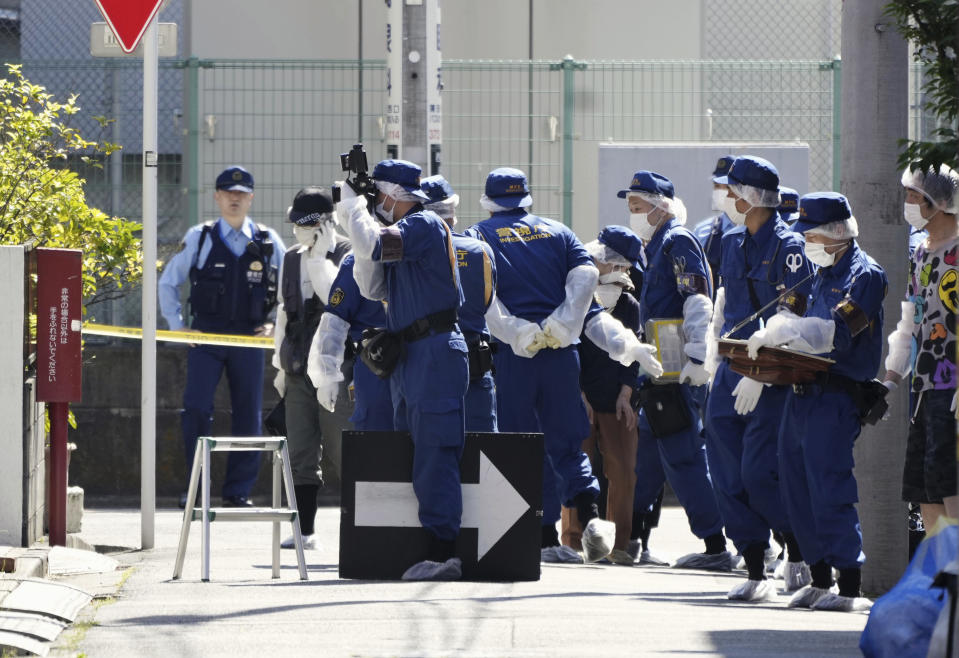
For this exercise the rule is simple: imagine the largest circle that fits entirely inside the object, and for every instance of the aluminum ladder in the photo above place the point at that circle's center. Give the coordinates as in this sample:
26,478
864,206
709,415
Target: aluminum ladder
206,445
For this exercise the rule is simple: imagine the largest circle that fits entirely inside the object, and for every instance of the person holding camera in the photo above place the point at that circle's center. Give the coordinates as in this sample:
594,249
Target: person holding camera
306,276
410,263
823,418
232,267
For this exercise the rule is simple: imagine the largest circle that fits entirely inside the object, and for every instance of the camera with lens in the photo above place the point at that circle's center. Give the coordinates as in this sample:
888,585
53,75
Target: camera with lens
358,178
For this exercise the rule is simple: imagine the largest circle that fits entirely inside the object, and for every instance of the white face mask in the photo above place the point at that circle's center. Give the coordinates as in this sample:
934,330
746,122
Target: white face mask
816,253
305,235
737,218
383,214
719,200
913,214
608,294
639,222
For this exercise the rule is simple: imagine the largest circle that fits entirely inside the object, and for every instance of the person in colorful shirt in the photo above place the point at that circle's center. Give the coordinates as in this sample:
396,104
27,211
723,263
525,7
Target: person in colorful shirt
924,343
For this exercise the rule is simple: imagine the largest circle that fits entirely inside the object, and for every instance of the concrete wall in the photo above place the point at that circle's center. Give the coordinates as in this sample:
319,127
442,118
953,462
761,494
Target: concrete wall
11,397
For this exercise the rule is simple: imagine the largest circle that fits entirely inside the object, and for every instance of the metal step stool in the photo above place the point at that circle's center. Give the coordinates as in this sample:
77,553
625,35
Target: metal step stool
275,514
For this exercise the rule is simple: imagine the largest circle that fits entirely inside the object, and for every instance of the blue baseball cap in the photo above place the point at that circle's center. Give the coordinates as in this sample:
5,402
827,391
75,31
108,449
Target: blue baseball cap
753,171
788,201
651,182
401,172
624,242
437,188
818,208
508,187
235,178
722,166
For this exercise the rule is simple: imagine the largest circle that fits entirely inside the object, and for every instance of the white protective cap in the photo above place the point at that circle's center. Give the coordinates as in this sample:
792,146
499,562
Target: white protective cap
757,197
940,187
672,207
845,229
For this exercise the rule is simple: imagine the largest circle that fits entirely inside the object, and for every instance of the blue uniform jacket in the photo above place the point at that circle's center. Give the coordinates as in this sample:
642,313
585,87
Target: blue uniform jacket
533,257
851,293
475,261
348,304
772,259
710,234
424,280
676,268
600,377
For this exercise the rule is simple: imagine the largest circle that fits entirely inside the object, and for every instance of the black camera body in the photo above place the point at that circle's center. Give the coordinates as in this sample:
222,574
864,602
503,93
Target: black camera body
358,178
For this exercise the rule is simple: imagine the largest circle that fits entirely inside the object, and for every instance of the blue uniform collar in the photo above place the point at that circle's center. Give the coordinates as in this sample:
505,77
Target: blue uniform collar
512,212
246,229
765,233
653,245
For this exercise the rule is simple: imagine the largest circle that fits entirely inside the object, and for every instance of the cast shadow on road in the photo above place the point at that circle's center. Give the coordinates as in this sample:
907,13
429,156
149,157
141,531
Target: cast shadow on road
763,642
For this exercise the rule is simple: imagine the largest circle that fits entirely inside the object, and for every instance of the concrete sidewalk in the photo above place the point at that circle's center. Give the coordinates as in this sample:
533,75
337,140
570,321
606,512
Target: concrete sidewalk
572,610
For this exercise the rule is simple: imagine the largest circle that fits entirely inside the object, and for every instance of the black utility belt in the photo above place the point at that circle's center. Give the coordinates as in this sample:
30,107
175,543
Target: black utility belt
868,396
382,350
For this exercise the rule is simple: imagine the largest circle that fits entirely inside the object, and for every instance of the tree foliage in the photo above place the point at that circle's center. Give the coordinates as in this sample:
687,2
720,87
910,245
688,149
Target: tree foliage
43,201
933,28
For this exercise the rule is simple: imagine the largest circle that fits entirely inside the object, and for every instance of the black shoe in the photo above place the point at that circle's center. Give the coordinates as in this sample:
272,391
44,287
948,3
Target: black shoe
237,501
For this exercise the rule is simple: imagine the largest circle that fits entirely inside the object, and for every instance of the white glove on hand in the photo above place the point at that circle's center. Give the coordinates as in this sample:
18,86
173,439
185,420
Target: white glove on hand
347,208
279,383
557,336
694,373
528,341
760,338
326,395
645,355
747,394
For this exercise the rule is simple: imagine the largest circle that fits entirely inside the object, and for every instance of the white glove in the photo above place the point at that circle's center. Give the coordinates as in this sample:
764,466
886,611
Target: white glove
346,209
892,386
747,394
760,338
528,340
279,383
695,373
326,395
645,355
557,336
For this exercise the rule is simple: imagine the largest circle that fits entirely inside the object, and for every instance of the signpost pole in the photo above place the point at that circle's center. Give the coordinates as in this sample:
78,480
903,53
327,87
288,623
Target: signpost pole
149,304
58,473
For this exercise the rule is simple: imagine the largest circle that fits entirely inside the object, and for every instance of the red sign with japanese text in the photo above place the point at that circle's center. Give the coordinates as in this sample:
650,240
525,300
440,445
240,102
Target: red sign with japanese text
129,19
58,325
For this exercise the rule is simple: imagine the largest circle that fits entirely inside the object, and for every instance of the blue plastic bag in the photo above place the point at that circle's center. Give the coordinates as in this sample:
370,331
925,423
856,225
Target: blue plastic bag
901,621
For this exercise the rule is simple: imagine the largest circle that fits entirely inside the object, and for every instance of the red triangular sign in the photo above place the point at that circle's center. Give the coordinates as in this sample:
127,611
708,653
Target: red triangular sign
129,19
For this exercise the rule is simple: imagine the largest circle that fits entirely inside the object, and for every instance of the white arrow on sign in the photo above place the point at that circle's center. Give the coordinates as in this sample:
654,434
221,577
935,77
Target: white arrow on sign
492,506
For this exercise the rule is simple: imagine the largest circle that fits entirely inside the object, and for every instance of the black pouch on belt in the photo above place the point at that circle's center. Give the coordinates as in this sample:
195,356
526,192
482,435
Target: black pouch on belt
480,359
665,408
381,351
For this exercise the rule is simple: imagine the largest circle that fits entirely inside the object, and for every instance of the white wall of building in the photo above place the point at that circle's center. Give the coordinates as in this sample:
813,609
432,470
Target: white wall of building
11,397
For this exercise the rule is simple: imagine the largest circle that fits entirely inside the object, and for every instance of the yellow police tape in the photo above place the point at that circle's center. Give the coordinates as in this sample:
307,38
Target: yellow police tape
193,337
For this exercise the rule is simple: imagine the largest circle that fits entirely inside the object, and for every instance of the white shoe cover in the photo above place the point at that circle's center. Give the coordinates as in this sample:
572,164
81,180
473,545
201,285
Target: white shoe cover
560,555
452,569
775,567
310,543
598,538
649,559
807,596
634,548
833,601
753,590
796,576
739,562
780,572
716,562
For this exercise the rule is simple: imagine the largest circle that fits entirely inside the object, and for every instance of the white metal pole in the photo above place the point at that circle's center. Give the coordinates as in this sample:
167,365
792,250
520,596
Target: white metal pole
148,352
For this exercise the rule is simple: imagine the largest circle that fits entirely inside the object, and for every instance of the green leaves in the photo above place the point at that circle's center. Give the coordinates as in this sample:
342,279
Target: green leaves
41,199
931,26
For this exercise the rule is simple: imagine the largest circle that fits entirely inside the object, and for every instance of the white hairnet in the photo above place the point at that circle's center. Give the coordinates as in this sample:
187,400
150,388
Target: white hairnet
672,207
757,197
602,253
844,229
491,206
446,208
941,188
396,191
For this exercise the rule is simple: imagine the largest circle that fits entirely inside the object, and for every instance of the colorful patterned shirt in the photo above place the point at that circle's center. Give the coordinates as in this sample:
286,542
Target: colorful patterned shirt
934,289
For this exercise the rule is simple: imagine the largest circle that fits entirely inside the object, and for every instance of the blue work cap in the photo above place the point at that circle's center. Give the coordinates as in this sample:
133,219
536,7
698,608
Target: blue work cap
788,201
752,171
820,208
401,172
508,187
722,167
235,178
624,242
650,182
437,188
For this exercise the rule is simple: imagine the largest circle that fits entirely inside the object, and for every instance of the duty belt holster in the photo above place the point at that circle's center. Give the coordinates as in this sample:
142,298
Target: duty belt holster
666,410
381,351
438,322
480,359
869,397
